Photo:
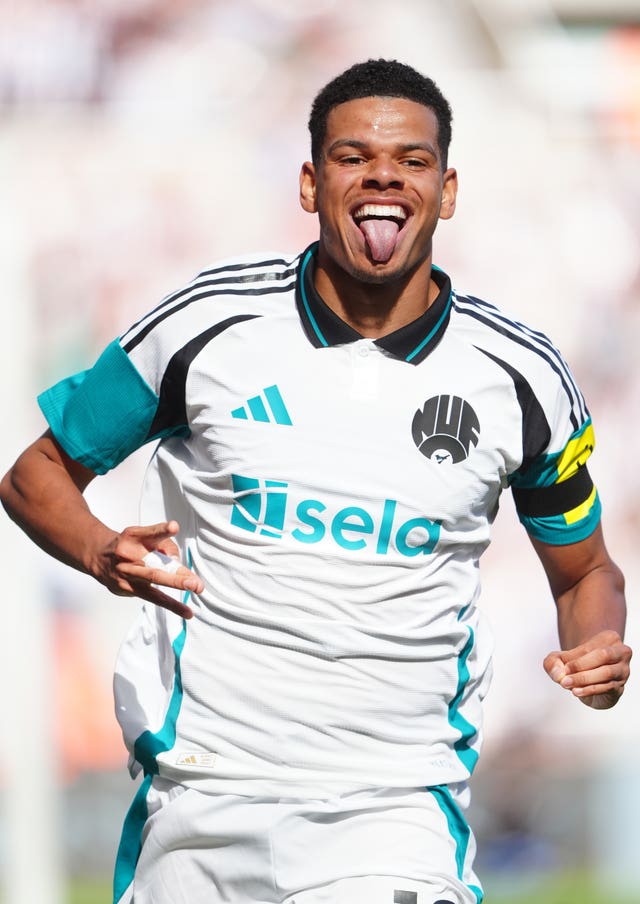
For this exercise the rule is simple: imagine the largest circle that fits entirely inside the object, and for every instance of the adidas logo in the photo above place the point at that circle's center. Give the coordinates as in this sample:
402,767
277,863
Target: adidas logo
268,407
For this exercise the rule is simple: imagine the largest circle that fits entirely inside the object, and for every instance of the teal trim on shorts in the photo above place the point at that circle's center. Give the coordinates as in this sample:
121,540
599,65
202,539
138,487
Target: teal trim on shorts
465,753
131,841
459,831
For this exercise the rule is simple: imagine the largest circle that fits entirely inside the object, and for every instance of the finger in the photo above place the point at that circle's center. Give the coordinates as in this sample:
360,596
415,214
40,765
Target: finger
151,594
554,666
152,534
179,579
618,653
605,647
132,549
146,583
599,690
615,673
598,642
156,558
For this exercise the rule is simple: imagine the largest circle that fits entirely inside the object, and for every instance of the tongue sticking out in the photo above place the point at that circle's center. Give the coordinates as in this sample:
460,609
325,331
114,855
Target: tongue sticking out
381,236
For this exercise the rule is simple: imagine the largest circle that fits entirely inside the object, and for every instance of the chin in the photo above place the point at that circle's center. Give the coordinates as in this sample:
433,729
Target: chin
378,278
378,273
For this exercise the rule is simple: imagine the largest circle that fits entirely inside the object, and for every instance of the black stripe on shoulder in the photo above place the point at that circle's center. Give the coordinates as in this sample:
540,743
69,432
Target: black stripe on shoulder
493,311
543,502
228,268
256,277
545,348
536,432
172,410
137,339
521,340
199,283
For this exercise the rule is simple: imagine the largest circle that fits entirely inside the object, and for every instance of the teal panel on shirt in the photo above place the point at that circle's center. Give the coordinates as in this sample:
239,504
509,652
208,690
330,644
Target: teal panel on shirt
102,415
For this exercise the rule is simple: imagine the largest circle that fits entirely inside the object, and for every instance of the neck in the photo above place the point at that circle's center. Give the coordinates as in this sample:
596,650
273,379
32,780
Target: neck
375,309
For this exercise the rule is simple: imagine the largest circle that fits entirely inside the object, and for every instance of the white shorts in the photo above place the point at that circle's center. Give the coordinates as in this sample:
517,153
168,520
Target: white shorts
392,846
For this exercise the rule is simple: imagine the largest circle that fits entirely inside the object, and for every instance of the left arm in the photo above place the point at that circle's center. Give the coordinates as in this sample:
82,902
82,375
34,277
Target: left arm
588,588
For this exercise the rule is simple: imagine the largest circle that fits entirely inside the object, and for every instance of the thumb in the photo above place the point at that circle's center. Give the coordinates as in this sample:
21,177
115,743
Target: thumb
555,667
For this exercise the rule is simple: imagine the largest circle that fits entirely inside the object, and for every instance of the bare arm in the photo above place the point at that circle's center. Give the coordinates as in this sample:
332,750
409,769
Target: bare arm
588,588
43,494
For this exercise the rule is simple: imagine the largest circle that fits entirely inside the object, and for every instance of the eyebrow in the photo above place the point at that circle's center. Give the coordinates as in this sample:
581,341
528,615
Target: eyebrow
362,145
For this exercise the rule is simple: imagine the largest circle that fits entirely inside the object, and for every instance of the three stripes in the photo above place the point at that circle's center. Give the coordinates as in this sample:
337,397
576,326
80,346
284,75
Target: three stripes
270,402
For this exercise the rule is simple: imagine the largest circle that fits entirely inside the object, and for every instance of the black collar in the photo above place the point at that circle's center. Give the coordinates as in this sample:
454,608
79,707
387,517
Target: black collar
411,343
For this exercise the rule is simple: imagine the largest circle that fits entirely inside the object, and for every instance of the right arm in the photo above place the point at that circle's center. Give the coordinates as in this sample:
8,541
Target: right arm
43,494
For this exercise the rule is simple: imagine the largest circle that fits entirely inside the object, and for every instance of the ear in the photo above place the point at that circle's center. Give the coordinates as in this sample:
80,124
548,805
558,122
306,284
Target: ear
449,194
308,187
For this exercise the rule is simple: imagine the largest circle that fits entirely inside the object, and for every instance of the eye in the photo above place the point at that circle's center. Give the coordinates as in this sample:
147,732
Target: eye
415,163
352,159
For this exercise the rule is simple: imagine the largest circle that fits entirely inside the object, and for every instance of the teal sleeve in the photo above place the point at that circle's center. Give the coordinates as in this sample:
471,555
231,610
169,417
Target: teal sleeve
102,415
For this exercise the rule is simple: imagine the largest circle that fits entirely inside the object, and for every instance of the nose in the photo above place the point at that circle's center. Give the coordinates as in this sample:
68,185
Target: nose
382,172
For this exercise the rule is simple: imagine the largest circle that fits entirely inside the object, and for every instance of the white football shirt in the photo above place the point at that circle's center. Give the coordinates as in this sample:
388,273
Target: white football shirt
335,494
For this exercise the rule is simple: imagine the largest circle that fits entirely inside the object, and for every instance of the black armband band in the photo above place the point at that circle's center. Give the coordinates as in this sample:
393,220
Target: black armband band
543,502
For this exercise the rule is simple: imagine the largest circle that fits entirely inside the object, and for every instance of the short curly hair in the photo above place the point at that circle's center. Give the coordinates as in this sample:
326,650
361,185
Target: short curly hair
379,78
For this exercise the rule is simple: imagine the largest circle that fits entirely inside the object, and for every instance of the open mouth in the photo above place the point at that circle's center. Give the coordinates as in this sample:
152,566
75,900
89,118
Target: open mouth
380,224
381,212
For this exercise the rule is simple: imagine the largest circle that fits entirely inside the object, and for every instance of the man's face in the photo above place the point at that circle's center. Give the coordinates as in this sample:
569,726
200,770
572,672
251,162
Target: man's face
379,188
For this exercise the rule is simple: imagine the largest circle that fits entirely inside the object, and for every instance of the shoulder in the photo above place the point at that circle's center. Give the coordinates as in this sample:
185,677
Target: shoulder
527,355
486,319
253,267
505,336
229,291
236,276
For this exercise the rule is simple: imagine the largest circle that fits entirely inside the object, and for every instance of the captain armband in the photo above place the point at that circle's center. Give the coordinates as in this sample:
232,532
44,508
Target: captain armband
557,499
562,513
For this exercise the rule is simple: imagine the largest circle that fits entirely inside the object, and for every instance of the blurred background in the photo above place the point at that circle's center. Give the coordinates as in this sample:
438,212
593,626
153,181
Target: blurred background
142,140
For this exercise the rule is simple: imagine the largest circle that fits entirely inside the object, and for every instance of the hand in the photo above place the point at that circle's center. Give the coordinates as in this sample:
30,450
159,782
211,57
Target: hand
595,671
121,567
